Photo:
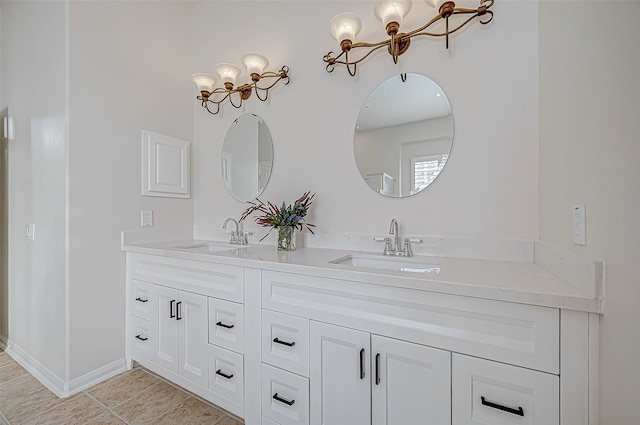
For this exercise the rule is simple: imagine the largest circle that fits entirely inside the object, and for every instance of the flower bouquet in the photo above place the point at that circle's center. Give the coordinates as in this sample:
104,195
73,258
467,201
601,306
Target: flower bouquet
285,219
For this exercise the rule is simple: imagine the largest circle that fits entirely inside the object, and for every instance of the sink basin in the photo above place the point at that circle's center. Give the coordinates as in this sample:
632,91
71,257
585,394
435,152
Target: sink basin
399,264
210,247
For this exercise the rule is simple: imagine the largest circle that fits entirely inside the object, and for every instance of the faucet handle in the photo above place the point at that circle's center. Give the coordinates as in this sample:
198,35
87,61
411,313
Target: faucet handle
387,247
406,251
243,238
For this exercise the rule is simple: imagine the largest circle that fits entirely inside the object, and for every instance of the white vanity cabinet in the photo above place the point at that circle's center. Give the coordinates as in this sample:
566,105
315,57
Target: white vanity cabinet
383,355
369,379
292,341
185,322
176,323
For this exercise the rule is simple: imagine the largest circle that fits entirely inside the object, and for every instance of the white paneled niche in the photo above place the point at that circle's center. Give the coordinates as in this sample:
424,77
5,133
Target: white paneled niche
165,166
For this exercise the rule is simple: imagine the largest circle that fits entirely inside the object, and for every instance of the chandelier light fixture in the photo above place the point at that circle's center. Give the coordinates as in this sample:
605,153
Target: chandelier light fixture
256,65
345,26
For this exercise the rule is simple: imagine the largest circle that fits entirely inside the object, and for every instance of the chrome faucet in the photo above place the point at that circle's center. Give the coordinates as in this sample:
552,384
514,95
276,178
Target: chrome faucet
392,245
237,237
393,230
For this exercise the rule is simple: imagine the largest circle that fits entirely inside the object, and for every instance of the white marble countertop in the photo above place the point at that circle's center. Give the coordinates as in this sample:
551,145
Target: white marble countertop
519,282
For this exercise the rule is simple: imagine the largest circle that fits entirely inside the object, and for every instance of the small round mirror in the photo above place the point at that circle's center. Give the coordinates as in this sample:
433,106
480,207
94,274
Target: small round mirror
403,135
247,157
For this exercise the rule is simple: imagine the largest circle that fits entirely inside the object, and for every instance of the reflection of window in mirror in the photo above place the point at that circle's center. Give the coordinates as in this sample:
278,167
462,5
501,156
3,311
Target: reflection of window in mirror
425,169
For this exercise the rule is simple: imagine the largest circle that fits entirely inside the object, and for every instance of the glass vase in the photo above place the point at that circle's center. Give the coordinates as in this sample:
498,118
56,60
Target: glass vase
286,238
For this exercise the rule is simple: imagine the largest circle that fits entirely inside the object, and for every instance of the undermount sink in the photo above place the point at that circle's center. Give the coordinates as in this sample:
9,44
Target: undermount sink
210,247
399,264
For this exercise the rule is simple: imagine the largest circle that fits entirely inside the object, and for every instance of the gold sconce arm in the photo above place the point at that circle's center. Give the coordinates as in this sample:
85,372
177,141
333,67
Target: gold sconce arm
398,43
211,98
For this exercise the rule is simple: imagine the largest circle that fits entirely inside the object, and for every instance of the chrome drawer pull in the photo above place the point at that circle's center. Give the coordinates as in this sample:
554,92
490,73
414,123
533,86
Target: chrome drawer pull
224,375
288,344
141,300
224,326
283,400
519,411
141,338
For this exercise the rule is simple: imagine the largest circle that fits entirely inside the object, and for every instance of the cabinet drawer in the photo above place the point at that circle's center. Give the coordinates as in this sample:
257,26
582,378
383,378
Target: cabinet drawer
226,324
518,334
285,342
267,421
143,304
490,393
143,337
226,376
211,279
285,397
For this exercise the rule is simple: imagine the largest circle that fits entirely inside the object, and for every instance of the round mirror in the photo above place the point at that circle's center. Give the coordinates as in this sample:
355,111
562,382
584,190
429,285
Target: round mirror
403,135
247,157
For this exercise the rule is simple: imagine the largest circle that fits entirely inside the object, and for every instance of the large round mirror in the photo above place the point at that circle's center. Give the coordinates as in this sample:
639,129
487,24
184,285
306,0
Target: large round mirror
247,157
403,135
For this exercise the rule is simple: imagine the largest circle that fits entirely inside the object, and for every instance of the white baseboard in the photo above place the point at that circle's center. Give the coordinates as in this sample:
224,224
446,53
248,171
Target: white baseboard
95,377
53,382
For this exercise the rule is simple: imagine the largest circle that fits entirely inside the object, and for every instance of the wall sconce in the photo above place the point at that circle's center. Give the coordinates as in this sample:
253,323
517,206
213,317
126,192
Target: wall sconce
256,65
345,26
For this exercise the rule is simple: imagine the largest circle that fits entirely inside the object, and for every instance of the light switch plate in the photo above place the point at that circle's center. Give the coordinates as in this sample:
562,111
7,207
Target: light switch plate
146,218
30,232
579,224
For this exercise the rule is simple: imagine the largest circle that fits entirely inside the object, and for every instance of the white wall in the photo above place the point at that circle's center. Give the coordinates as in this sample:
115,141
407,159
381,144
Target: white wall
589,150
488,188
129,70
34,89
82,79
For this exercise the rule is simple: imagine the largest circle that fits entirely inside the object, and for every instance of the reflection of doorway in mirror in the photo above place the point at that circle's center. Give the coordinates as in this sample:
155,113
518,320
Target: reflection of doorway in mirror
264,173
425,169
382,183
226,164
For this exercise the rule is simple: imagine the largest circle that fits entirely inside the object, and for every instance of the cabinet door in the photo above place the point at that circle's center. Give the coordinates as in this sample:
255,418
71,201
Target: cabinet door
142,300
226,324
166,300
340,382
226,376
191,314
411,383
485,392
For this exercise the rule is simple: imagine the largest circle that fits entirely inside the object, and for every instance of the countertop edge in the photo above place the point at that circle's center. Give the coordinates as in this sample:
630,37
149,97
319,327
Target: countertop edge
567,297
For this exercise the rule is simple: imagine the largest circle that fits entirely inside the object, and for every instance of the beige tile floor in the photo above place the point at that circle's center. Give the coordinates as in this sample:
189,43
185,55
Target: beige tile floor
135,397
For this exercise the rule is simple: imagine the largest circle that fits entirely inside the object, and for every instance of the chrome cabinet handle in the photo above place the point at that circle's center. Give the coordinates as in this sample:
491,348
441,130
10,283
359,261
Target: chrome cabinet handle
519,411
